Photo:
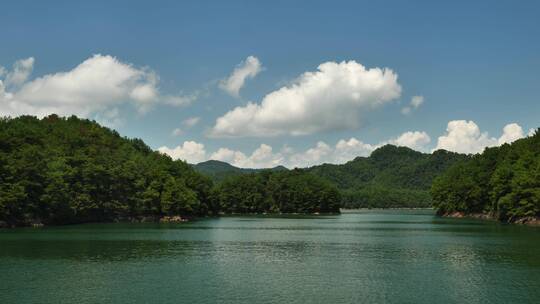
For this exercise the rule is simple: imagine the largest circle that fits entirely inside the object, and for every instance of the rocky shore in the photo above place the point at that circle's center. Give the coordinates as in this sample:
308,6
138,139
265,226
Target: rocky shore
528,220
139,219
173,219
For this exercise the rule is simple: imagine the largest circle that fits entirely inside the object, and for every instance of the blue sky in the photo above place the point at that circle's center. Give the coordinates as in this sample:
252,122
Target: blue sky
474,63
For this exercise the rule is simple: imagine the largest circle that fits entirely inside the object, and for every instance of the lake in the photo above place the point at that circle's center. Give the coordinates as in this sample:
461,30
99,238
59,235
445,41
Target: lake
392,256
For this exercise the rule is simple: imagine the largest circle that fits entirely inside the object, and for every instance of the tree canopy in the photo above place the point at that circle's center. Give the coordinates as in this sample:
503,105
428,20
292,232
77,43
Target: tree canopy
268,191
502,181
390,177
68,170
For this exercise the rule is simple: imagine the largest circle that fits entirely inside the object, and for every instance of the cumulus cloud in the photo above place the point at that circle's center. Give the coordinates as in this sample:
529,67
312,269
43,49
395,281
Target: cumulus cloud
465,137
92,88
461,136
511,132
319,154
247,69
20,73
347,150
416,101
262,157
333,97
531,132
190,151
415,140
266,157
228,155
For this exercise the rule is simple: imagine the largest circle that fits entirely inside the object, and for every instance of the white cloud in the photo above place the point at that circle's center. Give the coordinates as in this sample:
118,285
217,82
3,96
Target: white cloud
20,73
415,140
91,89
245,70
465,137
416,101
191,152
191,122
227,155
334,97
110,118
265,157
319,154
347,150
511,132
262,157
531,132
461,136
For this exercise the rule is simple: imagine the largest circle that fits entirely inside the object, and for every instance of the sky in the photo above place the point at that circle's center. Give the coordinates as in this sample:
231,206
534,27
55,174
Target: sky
294,83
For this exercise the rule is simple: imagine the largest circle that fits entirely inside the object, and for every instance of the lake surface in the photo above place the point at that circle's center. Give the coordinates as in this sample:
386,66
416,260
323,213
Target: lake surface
365,257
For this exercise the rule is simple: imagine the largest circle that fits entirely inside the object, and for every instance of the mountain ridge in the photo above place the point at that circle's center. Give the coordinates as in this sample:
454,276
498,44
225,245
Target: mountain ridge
219,170
391,176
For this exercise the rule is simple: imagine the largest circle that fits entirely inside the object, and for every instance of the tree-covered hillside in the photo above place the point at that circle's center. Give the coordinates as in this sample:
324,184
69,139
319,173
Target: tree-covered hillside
273,190
503,182
69,170
269,191
390,177
218,170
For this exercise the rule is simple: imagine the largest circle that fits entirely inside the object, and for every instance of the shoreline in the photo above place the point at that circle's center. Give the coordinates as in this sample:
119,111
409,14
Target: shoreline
166,219
138,219
392,208
533,221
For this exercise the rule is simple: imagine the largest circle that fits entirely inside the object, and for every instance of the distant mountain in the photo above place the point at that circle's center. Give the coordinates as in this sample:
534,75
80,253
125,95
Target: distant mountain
390,177
219,170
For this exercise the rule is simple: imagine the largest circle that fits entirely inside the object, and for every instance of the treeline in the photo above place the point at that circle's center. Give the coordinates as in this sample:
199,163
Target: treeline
503,182
292,191
69,170
391,177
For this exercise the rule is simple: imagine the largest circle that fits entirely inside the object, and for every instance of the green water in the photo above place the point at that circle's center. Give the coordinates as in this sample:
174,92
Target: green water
367,257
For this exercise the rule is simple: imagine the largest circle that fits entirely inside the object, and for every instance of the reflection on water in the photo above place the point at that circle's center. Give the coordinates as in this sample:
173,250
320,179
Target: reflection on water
364,257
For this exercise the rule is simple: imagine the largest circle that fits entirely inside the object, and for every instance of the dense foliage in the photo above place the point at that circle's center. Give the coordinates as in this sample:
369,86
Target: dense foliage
59,170
390,177
503,181
69,170
277,192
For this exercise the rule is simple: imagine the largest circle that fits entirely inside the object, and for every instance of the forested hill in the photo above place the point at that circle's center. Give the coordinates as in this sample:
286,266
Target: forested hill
69,170
502,182
390,177
218,170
